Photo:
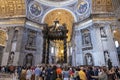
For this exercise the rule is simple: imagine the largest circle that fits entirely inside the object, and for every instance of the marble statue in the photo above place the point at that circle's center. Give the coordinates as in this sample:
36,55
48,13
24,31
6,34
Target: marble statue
102,31
89,59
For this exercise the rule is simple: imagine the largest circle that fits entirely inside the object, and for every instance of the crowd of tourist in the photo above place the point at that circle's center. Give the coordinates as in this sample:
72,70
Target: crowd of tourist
58,72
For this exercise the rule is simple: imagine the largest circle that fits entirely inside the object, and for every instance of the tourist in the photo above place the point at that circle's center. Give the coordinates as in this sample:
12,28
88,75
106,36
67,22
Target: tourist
102,75
111,74
28,74
23,74
65,74
59,71
38,72
54,73
90,73
82,74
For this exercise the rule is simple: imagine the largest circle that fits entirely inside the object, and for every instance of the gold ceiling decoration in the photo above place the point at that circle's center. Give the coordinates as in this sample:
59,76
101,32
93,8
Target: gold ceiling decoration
12,8
63,16
102,6
3,37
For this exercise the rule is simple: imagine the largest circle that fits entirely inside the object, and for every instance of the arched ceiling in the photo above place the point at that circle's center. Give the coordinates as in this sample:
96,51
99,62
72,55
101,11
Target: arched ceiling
63,16
17,8
12,8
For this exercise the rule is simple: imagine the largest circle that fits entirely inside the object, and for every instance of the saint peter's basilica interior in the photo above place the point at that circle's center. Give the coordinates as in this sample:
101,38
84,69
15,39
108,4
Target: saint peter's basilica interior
73,32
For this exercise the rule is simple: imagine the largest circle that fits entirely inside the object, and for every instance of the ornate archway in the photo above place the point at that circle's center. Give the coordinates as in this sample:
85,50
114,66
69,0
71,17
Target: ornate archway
63,16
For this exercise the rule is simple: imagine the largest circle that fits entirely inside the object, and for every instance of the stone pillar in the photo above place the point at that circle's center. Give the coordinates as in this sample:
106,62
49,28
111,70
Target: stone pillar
18,47
65,50
7,47
111,47
98,49
38,55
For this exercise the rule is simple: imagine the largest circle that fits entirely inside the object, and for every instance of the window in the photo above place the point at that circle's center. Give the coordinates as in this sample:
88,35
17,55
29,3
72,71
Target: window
116,44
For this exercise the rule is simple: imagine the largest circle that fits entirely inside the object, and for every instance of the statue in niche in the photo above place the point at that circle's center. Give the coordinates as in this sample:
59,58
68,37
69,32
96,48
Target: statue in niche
31,41
15,35
87,39
89,59
102,32
11,58
107,57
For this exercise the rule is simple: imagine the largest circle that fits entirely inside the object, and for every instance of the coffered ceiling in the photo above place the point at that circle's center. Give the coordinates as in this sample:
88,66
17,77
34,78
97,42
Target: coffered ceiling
12,8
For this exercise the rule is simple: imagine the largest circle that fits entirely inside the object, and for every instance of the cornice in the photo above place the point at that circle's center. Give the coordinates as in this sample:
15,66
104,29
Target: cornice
12,22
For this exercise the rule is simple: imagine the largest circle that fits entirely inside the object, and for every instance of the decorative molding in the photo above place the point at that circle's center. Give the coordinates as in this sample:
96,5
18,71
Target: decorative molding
12,22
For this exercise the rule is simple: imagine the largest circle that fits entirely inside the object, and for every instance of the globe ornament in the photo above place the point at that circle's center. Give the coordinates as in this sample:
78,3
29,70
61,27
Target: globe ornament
82,7
35,9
